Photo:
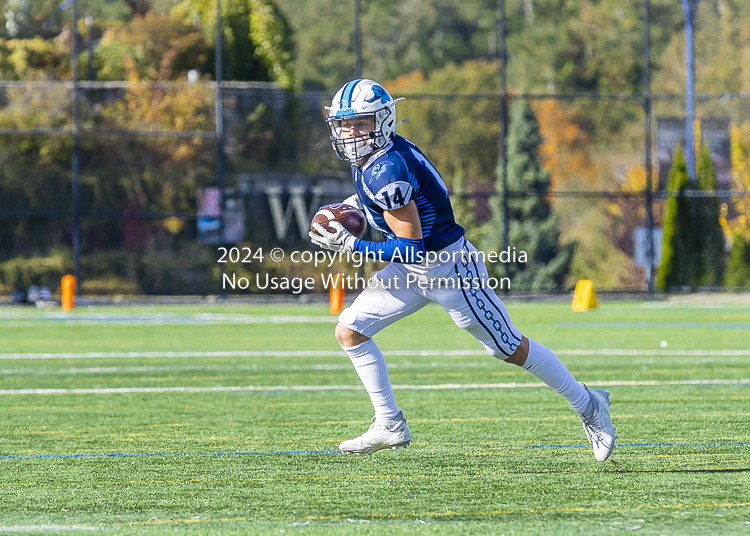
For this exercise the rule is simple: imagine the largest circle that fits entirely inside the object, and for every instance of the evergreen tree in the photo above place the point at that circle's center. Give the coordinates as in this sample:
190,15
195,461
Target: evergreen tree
681,248
710,235
464,207
532,227
738,267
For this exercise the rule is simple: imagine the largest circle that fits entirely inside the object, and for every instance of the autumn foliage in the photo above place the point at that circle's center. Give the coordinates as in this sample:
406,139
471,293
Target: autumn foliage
565,151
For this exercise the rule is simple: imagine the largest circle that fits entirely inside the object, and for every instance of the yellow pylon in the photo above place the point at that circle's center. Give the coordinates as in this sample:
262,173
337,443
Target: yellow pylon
584,297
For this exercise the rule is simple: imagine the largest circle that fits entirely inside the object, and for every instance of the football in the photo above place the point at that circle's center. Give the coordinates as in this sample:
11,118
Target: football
348,216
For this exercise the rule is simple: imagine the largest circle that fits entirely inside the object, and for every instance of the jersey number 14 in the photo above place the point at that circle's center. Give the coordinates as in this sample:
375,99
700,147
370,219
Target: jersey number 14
397,199
394,195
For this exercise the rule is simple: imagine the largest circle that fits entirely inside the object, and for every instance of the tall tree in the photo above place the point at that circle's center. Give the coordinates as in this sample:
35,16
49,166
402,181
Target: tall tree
532,226
736,215
257,38
680,250
464,207
711,236
155,47
738,268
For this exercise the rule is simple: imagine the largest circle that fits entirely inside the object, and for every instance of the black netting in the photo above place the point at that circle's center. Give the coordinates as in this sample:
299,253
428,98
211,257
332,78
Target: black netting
158,189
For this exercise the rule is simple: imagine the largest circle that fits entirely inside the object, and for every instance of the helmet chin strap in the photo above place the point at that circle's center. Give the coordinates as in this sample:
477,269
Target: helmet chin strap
362,160
370,140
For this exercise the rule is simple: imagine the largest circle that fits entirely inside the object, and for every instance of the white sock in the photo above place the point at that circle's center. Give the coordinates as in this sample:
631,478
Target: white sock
545,365
370,365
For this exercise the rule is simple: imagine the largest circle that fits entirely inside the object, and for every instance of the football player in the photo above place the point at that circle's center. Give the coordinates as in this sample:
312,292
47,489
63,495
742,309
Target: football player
404,197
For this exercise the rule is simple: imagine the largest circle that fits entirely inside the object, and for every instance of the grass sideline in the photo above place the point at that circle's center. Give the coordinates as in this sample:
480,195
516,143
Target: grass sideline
510,459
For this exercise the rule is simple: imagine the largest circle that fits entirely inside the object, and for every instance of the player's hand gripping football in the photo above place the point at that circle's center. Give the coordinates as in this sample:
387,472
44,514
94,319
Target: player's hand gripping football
353,200
340,240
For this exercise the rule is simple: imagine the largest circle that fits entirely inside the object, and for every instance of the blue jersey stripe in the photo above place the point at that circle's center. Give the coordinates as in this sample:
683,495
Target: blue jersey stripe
346,96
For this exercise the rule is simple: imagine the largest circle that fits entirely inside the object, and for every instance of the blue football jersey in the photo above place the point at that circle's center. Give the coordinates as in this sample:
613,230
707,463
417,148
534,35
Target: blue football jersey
397,174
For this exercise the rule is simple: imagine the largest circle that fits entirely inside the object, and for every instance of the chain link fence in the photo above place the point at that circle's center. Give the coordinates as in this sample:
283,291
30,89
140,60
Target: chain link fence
150,207
138,190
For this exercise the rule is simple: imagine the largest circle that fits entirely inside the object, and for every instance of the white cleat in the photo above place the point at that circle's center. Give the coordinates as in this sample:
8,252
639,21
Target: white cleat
599,428
379,437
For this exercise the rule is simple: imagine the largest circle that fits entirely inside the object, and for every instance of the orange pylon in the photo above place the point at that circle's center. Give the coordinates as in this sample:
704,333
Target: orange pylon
337,295
68,291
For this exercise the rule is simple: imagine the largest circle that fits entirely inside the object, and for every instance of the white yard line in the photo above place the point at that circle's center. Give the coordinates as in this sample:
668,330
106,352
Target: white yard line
25,319
443,386
325,353
622,351
283,367
155,355
248,368
42,528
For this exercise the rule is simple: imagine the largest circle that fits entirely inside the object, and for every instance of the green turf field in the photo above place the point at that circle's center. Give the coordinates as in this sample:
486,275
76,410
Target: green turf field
226,420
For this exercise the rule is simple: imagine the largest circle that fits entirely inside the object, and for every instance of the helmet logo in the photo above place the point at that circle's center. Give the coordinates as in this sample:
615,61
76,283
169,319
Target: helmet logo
380,93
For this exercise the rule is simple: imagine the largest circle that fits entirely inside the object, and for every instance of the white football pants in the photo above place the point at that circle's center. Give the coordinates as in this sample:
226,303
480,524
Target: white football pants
458,282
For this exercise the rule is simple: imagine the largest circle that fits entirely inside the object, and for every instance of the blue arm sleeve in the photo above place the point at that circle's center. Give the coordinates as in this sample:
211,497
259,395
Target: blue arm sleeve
403,250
